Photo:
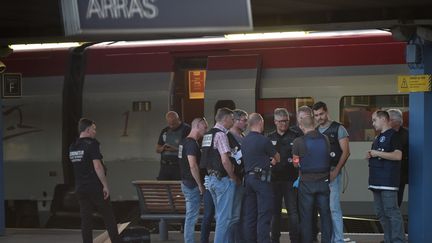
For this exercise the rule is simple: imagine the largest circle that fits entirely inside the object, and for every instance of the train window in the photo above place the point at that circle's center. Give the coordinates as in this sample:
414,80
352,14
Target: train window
266,108
356,111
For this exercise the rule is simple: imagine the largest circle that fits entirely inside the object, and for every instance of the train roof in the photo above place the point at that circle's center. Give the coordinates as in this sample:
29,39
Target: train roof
359,48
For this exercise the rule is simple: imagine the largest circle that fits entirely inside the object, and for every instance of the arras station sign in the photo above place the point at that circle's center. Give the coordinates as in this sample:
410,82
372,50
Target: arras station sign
125,17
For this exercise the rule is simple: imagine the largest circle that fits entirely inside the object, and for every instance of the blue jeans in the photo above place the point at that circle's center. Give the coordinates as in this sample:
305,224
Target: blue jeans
285,190
193,200
336,210
222,191
388,212
314,194
235,228
257,211
208,217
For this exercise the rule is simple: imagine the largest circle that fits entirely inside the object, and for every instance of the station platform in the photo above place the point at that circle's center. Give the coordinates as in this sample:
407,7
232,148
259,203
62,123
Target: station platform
73,236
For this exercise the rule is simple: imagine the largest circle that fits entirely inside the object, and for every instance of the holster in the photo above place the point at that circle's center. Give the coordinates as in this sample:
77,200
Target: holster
262,175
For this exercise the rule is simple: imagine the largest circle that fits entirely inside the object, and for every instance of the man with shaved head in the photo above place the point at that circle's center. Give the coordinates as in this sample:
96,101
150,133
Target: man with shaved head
167,146
192,183
259,155
311,153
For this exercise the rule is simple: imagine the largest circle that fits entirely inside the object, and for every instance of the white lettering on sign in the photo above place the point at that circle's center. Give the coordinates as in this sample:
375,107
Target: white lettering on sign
11,87
126,9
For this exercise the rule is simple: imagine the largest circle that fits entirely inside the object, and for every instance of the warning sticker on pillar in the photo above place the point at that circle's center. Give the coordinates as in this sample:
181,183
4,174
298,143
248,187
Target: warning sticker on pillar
116,19
414,83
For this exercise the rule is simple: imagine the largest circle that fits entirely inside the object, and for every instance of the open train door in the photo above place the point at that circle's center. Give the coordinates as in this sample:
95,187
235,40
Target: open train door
231,82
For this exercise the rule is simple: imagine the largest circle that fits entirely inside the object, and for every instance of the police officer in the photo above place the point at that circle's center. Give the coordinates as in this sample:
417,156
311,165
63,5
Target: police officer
222,181
311,153
90,181
396,122
306,111
283,176
339,153
258,155
384,177
192,185
167,146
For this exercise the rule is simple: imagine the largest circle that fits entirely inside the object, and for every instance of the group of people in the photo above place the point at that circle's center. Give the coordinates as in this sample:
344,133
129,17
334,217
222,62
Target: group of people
242,180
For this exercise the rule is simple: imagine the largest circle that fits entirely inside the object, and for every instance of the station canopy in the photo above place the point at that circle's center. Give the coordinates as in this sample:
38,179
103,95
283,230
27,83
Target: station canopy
43,21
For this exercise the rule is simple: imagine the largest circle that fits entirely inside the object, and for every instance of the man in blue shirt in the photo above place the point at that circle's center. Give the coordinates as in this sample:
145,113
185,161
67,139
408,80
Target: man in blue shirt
311,154
258,156
384,177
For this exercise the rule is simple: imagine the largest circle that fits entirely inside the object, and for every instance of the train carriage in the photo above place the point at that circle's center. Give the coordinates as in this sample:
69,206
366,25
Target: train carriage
128,87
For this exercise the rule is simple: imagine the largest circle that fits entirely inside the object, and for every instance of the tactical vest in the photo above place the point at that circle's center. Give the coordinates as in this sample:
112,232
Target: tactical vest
172,137
335,150
235,148
316,159
210,157
186,173
284,170
382,172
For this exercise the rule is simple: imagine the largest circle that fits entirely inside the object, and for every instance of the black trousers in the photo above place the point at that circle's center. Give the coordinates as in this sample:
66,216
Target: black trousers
285,190
169,172
401,193
89,201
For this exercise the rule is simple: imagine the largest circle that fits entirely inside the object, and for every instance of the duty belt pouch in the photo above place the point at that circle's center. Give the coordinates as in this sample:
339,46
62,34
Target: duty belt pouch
262,175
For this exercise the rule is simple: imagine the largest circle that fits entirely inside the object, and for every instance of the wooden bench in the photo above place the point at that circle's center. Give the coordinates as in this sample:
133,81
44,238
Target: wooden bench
161,200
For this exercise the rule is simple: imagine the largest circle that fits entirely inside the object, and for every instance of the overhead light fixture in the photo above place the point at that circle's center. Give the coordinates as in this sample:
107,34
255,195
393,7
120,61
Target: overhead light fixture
270,35
44,46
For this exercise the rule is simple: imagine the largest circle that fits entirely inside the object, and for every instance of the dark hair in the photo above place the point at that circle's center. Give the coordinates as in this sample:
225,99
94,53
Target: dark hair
222,112
84,123
319,105
381,114
238,114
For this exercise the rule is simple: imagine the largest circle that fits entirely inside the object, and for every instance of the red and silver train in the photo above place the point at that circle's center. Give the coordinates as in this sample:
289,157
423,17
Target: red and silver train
128,87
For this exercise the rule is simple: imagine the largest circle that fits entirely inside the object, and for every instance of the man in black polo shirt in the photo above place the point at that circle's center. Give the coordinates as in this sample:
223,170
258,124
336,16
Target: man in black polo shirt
311,153
258,155
396,122
167,145
90,181
192,184
283,176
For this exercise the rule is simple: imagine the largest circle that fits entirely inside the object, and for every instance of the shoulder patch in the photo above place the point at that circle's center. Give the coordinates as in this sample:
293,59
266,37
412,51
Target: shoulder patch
382,139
